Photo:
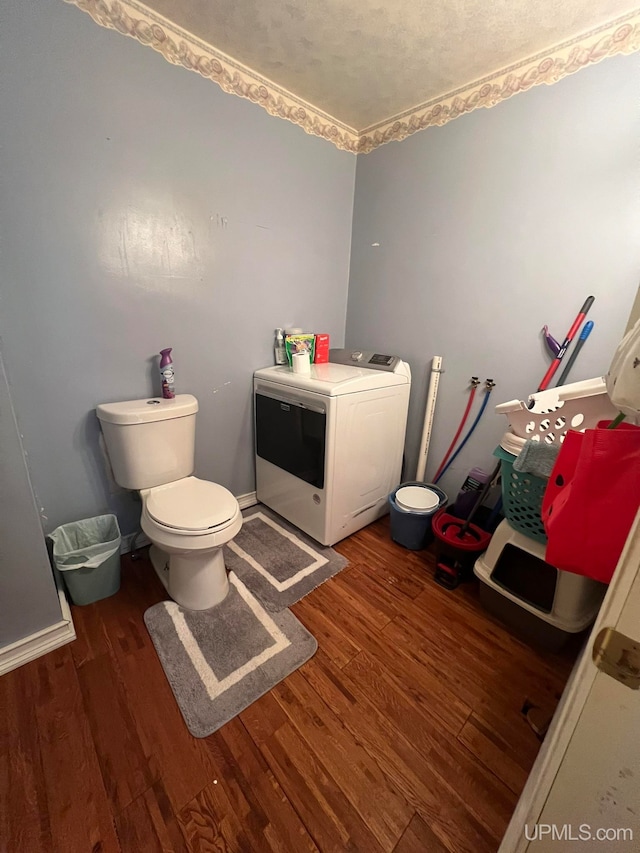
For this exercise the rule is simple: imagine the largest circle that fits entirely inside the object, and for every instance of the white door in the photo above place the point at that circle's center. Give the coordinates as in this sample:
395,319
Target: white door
583,792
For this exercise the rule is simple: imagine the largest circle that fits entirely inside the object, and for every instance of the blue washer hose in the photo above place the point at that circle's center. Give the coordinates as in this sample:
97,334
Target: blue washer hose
468,435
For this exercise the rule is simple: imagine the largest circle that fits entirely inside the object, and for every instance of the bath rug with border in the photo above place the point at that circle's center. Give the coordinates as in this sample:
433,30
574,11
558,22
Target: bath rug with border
278,563
219,661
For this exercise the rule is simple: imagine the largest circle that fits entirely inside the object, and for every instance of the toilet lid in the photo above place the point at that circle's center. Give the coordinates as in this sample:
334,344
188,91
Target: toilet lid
191,504
417,499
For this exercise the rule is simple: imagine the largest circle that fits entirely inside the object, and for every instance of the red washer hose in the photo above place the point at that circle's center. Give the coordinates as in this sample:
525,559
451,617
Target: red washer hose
458,431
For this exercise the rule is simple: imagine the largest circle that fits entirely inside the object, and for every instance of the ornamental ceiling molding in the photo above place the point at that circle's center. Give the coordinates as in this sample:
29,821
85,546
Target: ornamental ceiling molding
131,18
182,48
550,66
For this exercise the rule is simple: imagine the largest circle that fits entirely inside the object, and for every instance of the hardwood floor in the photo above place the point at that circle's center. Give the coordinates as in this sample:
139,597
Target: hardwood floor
403,733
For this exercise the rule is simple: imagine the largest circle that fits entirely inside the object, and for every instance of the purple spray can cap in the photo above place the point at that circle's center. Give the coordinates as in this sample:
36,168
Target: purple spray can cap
166,356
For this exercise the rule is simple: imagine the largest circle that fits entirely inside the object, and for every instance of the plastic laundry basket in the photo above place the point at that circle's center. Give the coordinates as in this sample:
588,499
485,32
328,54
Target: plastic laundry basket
412,507
88,553
579,405
522,496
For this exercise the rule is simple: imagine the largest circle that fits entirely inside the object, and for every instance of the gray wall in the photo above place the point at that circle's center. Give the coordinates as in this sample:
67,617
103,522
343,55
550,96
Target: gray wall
28,597
491,226
142,207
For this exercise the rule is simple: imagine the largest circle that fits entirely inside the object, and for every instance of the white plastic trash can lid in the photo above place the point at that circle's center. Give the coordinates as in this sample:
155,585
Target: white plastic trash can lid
417,499
512,443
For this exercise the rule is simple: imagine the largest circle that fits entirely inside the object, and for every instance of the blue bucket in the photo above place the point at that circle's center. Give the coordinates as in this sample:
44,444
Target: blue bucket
411,528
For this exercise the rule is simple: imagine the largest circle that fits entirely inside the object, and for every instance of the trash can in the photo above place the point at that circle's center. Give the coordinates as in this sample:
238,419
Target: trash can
412,507
88,554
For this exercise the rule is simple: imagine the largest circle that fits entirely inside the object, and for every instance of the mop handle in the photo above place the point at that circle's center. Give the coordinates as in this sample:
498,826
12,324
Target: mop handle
479,500
584,334
565,346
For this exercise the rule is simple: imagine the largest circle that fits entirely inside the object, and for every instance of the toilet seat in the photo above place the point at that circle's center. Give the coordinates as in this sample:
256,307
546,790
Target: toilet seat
191,507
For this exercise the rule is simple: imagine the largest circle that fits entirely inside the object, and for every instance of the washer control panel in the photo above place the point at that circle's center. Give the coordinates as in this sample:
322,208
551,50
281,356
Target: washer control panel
361,358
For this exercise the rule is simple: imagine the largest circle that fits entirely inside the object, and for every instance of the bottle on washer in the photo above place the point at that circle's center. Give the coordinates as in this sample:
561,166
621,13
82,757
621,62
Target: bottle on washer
279,350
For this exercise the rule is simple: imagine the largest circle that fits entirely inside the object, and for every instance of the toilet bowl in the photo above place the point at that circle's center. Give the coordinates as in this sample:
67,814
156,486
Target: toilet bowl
188,522
151,447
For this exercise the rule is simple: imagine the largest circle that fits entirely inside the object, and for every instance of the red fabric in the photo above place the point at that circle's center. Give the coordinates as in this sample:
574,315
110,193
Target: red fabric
592,499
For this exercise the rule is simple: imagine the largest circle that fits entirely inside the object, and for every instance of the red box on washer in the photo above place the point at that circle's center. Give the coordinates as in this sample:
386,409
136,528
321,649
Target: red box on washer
321,349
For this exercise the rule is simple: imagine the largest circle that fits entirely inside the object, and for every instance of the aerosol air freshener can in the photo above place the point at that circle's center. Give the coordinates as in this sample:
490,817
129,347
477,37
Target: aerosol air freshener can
167,374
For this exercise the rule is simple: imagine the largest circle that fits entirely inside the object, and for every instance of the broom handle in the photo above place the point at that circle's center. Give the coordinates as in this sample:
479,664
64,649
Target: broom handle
565,346
584,334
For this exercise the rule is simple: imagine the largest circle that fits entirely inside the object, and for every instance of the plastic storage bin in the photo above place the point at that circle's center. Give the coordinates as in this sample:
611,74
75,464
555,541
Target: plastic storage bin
539,602
412,513
88,554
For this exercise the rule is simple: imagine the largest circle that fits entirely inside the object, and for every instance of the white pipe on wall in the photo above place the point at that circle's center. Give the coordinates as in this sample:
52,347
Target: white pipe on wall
432,393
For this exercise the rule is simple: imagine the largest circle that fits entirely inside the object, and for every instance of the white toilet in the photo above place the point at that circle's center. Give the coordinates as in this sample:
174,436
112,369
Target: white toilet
151,446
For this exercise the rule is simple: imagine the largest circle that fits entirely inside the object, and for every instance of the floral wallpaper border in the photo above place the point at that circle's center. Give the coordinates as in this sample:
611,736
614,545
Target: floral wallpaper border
181,48
619,36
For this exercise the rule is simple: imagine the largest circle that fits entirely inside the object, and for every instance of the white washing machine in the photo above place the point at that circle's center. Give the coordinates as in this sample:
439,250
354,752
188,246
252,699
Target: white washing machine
329,445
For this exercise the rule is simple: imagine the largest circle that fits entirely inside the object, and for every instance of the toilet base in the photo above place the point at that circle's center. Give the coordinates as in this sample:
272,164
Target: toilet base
194,580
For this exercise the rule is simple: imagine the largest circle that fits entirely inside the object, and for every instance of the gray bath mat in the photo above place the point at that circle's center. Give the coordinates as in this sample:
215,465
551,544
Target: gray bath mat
278,562
219,661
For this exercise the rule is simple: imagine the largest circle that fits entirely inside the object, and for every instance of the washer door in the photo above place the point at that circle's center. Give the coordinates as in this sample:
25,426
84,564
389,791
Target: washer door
292,437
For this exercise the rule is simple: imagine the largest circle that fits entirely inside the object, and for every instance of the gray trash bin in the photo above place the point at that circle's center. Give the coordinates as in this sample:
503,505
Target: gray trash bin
87,552
411,522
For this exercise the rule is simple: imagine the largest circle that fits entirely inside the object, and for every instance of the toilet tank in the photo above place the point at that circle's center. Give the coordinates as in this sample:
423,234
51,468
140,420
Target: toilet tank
150,442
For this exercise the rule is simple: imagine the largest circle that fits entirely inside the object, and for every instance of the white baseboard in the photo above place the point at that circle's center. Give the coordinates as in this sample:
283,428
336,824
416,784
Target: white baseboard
245,501
50,638
38,644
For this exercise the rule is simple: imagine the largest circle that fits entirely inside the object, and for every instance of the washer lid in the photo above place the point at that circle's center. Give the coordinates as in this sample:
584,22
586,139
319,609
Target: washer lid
191,504
335,379
417,499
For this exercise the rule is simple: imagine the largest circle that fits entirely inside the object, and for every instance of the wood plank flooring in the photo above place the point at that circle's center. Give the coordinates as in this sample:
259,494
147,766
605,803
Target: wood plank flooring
403,733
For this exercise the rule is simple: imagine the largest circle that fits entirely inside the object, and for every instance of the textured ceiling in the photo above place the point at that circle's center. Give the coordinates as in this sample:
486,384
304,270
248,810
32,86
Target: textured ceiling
366,61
